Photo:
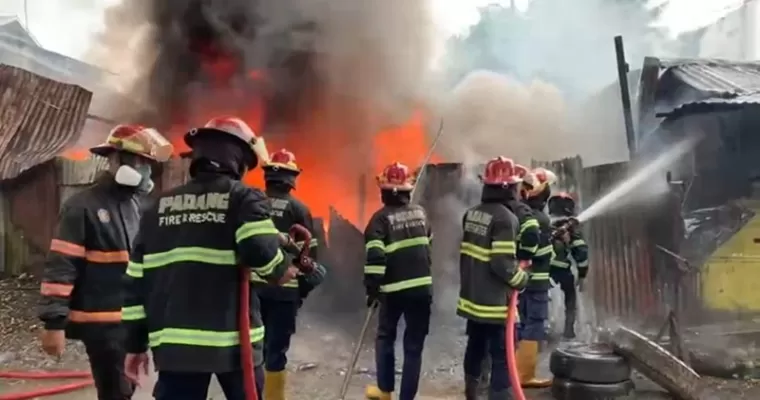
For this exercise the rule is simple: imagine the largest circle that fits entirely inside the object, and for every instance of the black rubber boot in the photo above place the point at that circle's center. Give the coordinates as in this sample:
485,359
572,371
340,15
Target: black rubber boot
569,332
505,394
471,388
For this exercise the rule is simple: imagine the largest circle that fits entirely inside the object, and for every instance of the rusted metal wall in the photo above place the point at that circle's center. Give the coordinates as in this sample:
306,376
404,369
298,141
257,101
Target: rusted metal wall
40,118
31,202
621,254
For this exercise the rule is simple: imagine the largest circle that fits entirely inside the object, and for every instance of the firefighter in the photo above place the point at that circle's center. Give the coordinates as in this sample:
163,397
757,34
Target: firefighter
534,301
489,271
569,247
279,305
82,279
398,279
182,295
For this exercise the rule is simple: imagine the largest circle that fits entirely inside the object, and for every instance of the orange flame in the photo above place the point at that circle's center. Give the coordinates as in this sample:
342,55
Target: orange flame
338,168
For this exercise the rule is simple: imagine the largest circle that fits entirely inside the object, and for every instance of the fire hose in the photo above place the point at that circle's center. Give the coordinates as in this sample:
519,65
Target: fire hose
511,341
305,265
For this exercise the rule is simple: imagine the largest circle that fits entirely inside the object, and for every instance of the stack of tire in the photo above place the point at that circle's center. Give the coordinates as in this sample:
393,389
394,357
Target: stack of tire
589,372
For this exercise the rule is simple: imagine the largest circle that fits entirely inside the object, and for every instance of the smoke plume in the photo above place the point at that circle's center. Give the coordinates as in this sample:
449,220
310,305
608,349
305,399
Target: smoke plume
353,66
490,115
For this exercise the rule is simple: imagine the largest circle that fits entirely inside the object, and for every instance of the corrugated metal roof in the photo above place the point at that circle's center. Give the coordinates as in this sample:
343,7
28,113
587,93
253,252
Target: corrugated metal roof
723,84
720,78
39,118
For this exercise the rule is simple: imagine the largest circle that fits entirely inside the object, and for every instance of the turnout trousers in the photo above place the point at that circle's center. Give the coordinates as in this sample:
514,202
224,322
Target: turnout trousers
279,317
416,311
487,340
566,281
106,355
194,385
533,307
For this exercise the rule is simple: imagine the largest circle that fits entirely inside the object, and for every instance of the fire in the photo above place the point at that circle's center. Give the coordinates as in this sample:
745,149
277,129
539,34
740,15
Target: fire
333,173
339,168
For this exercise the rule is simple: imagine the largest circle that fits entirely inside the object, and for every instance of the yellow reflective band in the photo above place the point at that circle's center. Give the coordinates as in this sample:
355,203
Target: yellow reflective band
407,284
133,313
293,283
531,223
476,252
374,270
135,270
312,243
189,254
519,277
583,264
200,338
503,247
402,244
532,249
375,244
578,242
539,276
248,229
560,264
546,250
269,267
485,312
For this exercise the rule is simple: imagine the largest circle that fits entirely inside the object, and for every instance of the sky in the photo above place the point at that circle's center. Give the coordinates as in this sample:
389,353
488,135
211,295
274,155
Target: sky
65,26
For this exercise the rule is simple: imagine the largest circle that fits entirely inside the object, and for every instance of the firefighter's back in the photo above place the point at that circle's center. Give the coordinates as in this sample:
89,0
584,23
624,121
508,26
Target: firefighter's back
191,275
407,250
483,294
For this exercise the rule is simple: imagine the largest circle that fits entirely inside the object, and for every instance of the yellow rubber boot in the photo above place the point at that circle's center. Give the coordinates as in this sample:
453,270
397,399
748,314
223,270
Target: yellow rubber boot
527,360
274,385
374,393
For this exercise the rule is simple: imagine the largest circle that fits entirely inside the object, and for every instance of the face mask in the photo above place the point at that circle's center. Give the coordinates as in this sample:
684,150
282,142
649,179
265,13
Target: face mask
138,178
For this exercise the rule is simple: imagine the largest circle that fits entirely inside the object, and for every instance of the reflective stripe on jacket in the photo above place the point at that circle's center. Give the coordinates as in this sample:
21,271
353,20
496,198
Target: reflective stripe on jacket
576,250
528,232
540,265
183,286
287,211
82,279
397,244
488,265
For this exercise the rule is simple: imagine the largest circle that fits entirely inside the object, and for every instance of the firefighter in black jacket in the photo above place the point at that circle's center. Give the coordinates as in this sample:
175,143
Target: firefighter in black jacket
534,301
569,246
489,271
279,305
183,288
81,283
397,276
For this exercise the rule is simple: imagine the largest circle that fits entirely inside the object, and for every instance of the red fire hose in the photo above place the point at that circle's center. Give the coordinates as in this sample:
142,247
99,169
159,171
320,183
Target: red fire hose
48,391
514,374
297,232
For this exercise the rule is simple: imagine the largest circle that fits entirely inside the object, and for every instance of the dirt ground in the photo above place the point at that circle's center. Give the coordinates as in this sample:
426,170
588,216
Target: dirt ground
317,363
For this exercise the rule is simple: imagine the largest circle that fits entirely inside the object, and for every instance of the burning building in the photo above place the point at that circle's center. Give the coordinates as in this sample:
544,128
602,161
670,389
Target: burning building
338,82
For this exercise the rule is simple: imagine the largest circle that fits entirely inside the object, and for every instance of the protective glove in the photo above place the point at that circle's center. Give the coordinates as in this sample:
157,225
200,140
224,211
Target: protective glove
580,284
373,297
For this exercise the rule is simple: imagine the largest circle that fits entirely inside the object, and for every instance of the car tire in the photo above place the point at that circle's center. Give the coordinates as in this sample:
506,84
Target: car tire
589,363
566,389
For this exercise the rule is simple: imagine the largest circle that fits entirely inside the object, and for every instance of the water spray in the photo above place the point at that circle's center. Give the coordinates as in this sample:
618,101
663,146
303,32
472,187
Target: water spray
612,199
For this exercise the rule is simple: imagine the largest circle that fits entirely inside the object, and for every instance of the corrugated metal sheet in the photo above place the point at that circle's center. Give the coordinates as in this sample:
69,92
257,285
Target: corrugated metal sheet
38,119
76,172
621,268
723,85
719,77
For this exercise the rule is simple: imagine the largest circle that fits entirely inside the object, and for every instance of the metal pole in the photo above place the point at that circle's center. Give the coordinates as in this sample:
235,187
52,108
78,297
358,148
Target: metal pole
625,95
26,17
